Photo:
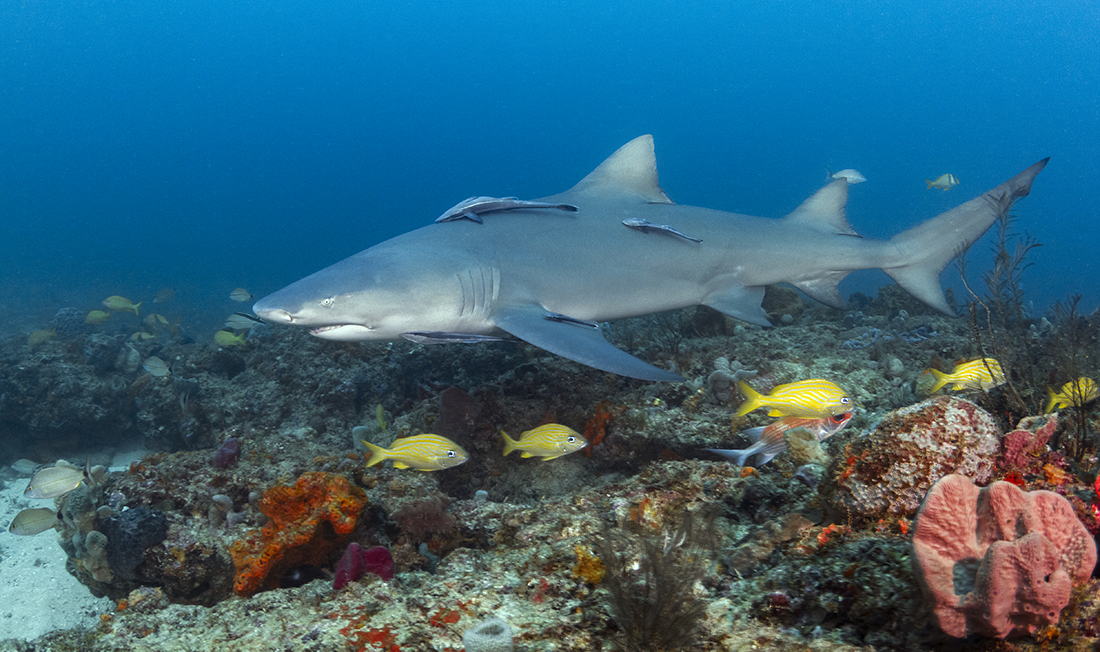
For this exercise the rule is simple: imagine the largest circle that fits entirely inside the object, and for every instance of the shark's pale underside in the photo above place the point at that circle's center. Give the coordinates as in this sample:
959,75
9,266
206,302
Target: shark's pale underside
549,277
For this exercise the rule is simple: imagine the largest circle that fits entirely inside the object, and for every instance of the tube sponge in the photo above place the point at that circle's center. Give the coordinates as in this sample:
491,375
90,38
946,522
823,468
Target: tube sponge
492,635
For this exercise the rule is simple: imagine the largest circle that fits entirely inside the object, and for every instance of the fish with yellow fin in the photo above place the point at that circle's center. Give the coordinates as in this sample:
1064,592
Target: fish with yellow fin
944,182
38,337
1073,394
96,317
983,374
425,452
122,304
815,398
33,521
768,440
549,441
225,338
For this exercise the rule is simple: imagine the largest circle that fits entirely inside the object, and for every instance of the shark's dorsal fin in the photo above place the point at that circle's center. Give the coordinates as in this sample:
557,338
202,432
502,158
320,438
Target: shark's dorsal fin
631,169
825,208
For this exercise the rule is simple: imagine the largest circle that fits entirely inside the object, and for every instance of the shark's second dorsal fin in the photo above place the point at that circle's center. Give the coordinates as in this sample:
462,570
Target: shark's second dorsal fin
631,169
825,208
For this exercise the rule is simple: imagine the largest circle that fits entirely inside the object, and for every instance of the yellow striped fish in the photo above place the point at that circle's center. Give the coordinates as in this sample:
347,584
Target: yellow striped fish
974,374
816,398
549,442
1073,394
425,452
944,182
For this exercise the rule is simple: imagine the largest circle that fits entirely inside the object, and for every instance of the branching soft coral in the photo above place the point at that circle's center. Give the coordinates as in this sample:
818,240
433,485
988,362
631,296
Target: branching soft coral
309,522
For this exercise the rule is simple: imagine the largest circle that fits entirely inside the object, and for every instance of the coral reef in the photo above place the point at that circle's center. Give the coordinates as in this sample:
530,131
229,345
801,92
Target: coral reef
997,560
309,521
891,469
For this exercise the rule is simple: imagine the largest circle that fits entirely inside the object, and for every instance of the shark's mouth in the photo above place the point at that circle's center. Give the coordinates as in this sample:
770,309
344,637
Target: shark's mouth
343,332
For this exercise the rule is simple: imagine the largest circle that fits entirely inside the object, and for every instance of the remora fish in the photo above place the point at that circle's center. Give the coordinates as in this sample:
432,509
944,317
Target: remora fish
466,278
474,207
645,226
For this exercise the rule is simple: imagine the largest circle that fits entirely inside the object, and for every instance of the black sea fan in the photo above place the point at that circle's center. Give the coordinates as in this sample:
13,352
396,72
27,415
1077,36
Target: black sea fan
651,593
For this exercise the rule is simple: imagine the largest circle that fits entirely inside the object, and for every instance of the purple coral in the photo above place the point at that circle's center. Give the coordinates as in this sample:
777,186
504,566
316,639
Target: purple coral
228,453
356,562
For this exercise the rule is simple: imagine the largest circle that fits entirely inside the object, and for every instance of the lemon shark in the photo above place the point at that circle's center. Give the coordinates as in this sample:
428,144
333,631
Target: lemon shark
549,277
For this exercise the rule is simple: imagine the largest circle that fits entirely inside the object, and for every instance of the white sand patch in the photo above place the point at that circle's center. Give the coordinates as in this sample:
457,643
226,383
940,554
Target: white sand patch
37,595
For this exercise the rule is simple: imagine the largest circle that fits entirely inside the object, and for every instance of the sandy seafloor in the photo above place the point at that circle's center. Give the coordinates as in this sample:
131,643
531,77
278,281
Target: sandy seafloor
776,576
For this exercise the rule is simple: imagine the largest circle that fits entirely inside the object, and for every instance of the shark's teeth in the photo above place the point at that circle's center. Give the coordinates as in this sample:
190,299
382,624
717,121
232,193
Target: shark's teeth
322,329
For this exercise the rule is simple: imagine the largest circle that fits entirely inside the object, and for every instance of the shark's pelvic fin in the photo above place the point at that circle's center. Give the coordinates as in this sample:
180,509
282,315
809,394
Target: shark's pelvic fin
924,250
631,169
742,303
824,289
826,209
576,341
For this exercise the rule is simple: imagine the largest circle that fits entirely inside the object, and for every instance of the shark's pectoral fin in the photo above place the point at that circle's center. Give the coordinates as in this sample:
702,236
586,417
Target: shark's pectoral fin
740,302
576,340
824,289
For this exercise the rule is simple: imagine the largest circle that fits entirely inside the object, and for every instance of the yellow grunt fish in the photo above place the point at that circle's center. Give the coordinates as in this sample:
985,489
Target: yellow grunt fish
549,442
96,317
39,337
121,304
1073,394
425,452
944,182
815,398
225,338
983,373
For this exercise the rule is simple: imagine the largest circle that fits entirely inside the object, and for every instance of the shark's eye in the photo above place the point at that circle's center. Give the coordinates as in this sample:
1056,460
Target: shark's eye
328,302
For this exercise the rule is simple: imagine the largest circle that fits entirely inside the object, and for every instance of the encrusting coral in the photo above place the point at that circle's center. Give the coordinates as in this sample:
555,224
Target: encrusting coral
309,521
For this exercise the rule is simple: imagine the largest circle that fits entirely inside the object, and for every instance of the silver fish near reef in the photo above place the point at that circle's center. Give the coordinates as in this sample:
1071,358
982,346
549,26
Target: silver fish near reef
55,481
474,207
511,274
848,174
33,521
240,321
645,226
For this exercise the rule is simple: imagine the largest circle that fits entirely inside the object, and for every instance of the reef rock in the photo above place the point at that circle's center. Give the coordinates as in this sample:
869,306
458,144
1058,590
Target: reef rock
892,468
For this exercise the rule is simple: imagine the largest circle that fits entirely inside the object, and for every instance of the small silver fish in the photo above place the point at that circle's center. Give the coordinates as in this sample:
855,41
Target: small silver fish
240,321
944,182
645,226
852,176
54,481
768,440
474,207
33,521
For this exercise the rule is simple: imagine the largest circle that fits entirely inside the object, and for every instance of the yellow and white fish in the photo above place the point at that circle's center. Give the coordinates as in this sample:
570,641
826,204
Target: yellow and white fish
983,373
815,398
425,452
944,182
1073,394
768,440
549,441
121,304
57,480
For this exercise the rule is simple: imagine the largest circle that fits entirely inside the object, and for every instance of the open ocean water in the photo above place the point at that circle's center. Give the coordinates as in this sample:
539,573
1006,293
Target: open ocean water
205,145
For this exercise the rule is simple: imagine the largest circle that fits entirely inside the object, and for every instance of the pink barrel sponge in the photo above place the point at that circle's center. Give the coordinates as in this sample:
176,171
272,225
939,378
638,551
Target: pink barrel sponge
997,560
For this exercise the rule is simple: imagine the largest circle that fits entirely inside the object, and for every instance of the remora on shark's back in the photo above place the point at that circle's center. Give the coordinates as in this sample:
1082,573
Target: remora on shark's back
548,277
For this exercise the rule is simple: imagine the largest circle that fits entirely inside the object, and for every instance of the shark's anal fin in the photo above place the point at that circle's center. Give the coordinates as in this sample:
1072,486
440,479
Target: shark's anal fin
740,302
576,340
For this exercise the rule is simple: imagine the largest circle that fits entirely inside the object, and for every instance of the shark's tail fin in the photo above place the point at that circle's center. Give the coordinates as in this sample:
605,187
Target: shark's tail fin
927,248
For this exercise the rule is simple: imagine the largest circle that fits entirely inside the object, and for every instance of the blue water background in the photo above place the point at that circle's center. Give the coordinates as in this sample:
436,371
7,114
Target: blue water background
207,145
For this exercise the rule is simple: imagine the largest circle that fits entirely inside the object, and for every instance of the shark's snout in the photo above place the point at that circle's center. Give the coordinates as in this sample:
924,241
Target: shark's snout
264,310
